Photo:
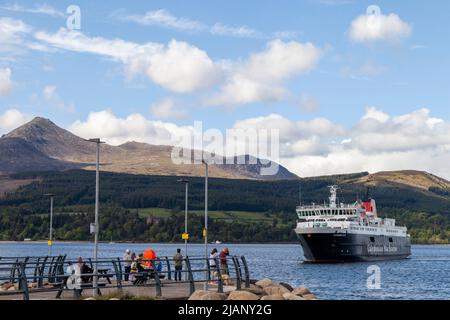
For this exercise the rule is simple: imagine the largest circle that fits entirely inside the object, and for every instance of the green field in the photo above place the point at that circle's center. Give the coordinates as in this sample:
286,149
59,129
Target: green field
227,216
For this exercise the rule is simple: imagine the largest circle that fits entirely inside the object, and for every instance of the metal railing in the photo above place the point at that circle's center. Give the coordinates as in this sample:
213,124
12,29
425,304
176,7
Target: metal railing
29,275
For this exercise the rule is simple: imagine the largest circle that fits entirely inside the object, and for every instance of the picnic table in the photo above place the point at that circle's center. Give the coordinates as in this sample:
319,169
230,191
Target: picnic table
104,273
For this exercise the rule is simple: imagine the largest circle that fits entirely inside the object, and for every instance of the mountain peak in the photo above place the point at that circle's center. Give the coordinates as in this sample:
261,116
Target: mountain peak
37,126
41,120
50,139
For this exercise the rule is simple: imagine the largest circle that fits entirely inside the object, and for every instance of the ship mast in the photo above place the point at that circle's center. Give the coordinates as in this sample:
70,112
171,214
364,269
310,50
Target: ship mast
333,196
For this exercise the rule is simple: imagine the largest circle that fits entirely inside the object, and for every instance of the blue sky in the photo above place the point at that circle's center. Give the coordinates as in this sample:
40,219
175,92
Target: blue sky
401,70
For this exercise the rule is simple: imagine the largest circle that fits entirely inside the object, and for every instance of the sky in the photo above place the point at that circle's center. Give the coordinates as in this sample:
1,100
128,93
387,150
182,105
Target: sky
350,85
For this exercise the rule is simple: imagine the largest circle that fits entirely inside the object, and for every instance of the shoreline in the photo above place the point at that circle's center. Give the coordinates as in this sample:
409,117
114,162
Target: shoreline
177,243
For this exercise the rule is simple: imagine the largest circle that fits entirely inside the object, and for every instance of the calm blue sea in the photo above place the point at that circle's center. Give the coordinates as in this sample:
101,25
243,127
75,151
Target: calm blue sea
425,275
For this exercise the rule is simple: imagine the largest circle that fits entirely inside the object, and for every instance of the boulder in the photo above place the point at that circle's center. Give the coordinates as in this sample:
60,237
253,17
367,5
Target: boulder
275,289
226,280
90,298
255,289
207,295
8,285
301,291
242,295
291,296
309,296
287,286
12,288
273,297
264,283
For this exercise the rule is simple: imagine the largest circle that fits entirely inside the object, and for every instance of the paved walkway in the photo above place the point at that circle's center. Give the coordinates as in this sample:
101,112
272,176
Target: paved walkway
170,290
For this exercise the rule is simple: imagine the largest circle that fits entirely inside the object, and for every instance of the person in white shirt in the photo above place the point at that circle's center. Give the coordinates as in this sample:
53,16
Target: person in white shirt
127,263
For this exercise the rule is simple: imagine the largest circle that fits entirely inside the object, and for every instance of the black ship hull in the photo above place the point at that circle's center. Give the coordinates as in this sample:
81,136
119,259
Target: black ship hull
349,247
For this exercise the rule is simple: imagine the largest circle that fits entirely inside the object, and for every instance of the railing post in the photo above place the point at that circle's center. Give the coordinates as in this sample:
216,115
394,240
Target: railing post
41,272
12,275
157,280
247,274
190,276
208,266
36,269
219,276
50,270
238,276
118,271
23,284
169,273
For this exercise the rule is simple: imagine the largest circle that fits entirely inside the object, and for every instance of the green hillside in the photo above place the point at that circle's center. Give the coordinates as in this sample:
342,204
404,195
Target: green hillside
150,208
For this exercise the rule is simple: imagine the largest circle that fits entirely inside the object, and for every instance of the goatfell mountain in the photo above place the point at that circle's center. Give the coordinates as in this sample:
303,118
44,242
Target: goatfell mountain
40,145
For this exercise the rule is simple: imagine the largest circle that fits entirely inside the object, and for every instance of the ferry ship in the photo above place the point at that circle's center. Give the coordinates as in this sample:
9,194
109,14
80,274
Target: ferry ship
349,232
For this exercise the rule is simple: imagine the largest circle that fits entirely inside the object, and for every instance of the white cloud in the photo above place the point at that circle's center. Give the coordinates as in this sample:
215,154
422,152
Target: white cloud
183,68
364,72
239,32
378,142
261,76
51,96
166,109
12,31
73,40
135,127
38,8
6,85
166,19
49,92
11,119
163,18
177,66
379,27
378,132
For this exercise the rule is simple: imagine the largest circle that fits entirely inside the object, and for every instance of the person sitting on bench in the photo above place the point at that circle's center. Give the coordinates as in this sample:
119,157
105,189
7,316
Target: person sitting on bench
85,270
140,273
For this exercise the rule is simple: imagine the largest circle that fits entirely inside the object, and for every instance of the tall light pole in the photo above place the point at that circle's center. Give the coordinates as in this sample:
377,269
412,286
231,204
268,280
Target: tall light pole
186,182
50,236
96,226
205,231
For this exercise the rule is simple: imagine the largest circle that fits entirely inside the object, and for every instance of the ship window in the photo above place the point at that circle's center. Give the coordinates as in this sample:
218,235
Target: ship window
372,239
390,240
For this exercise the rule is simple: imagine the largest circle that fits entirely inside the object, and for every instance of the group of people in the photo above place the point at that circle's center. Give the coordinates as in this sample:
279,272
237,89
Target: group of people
137,267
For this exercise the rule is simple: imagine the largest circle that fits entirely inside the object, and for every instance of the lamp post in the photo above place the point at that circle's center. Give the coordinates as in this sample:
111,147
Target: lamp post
50,236
205,231
186,182
96,226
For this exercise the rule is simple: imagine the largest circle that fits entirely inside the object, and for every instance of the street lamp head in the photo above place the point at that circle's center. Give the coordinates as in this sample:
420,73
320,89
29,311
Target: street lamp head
49,194
183,180
95,140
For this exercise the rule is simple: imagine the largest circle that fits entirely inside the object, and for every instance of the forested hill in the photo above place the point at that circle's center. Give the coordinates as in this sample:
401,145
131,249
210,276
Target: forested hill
127,199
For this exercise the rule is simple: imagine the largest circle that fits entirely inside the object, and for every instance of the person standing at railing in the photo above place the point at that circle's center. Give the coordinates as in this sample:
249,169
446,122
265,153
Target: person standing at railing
223,261
127,263
133,266
212,263
178,260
